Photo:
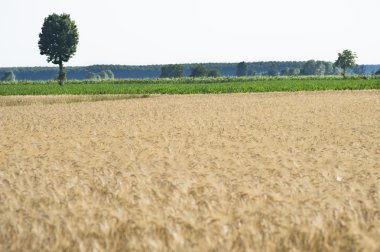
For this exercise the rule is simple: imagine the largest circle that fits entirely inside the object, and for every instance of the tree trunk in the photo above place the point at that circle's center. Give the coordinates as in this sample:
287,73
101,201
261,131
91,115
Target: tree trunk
61,74
344,73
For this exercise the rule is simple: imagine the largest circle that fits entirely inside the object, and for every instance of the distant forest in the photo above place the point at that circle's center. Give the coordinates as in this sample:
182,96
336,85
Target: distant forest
153,71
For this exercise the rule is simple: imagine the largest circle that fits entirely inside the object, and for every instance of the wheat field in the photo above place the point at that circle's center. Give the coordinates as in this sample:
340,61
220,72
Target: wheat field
230,172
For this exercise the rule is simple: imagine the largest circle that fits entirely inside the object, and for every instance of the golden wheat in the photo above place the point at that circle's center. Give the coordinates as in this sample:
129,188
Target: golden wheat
241,172
53,99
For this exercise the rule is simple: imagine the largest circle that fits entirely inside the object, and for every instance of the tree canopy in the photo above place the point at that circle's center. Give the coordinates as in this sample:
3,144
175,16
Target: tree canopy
242,69
273,71
172,71
312,67
359,69
294,71
199,71
8,76
213,73
345,60
107,74
59,38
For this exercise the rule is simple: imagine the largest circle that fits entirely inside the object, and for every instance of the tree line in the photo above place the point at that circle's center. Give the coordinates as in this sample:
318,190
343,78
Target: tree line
311,67
271,68
275,68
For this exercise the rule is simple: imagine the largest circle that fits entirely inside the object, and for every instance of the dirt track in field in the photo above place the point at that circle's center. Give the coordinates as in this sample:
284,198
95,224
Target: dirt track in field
235,172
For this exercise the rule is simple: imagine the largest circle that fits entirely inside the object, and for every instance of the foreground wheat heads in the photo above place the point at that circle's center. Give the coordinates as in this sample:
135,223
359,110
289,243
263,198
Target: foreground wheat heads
242,172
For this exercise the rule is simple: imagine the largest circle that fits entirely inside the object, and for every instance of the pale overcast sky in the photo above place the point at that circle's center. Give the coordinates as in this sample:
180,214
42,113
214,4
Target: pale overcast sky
143,32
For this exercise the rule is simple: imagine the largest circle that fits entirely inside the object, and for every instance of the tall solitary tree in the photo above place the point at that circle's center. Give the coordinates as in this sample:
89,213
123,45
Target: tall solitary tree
58,41
345,60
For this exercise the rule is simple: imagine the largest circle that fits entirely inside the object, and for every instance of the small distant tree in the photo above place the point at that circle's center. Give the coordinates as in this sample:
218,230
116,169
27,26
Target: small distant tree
92,76
110,74
198,71
214,73
242,69
172,71
103,75
285,71
8,76
345,60
320,68
272,70
294,71
377,72
329,68
309,67
58,41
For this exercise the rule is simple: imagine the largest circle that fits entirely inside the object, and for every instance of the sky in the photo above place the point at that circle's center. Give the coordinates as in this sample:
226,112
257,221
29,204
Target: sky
144,32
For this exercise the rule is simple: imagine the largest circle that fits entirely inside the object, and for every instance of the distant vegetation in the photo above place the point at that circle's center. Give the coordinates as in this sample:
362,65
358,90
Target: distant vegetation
172,71
8,76
242,69
202,71
275,68
104,75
